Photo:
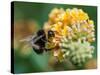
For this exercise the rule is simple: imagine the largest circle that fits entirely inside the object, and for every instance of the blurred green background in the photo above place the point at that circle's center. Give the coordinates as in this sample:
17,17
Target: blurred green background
30,17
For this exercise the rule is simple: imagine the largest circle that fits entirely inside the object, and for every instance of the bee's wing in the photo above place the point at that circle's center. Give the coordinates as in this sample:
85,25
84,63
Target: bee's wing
27,46
28,39
34,41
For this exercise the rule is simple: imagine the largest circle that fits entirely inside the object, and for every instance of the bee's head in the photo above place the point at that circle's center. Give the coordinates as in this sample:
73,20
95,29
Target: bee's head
51,33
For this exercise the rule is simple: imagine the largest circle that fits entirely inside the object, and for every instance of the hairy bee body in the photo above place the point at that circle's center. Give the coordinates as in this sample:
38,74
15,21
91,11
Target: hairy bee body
39,40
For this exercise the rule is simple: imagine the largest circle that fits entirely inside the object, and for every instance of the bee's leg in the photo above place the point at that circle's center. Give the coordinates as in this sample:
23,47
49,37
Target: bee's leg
44,40
37,38
37,48
48,49
34,45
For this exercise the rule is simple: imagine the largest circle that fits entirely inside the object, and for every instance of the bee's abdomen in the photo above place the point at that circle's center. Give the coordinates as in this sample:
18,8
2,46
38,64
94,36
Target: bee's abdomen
40,42
40,51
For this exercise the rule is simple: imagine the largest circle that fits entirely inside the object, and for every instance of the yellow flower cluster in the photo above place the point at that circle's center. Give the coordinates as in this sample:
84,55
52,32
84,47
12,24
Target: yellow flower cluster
72,23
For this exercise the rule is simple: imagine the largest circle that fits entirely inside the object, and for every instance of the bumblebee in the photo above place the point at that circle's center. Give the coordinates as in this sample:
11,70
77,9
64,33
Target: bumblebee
39,40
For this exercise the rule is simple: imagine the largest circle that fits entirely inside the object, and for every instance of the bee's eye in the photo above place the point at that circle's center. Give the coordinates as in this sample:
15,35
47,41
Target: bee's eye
51,33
